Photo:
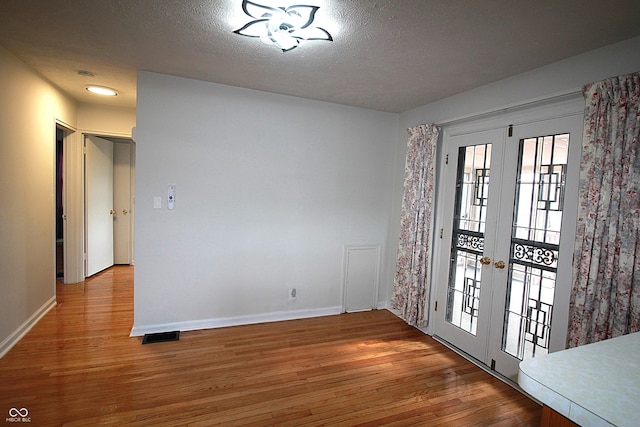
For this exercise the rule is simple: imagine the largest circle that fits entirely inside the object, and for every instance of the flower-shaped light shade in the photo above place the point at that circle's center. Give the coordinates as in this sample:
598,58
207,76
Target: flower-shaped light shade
282,26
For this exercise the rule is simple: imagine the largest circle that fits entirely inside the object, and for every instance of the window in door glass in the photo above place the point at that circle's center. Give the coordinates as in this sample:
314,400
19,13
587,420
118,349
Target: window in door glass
470,212
535,243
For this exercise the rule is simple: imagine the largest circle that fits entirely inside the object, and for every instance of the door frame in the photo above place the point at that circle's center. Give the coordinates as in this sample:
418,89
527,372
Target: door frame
117,144
570,105
73,203
115,141
74,200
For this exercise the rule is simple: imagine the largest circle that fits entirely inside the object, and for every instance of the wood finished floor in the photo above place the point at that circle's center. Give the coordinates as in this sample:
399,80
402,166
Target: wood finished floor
78,367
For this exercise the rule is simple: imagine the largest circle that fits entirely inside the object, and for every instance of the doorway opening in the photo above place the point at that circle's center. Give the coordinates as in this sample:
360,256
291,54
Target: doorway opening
59,203
109,195
63,147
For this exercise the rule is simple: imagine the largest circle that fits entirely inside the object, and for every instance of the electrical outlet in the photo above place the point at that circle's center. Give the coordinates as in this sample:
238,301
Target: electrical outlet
292,294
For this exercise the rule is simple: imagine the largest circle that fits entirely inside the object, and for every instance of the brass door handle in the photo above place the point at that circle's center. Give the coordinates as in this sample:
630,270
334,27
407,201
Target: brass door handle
499,264
112,212
124,211
485,260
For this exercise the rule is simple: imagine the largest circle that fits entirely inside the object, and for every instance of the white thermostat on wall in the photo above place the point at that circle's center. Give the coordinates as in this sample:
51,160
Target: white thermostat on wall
171,196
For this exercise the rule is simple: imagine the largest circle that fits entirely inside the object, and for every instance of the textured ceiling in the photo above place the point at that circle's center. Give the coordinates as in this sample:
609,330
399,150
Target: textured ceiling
386,55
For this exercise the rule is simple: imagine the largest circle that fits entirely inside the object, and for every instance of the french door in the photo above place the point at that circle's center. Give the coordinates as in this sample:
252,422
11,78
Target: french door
509,198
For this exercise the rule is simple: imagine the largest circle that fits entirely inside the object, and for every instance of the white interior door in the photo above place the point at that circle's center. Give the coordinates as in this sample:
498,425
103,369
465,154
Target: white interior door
505,285
122,227
99,204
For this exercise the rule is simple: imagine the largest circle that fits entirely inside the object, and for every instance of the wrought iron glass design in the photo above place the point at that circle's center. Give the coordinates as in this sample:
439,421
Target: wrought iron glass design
481,187
551,187
535,243
470,212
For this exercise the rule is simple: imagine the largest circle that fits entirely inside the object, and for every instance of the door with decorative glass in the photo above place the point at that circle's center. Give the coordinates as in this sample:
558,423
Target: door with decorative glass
508,225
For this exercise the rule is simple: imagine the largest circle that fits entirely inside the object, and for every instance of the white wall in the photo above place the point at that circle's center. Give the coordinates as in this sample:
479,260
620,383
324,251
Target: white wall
561,77
29,107
269,190
106,120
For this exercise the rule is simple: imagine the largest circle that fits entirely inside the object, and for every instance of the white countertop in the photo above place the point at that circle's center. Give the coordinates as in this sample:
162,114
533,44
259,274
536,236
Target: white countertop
593,385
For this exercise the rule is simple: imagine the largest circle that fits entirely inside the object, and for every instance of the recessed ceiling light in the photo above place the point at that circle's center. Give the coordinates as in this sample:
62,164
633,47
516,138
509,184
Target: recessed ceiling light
101,90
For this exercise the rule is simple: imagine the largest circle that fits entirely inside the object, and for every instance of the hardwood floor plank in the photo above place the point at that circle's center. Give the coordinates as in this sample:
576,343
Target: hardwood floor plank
79,367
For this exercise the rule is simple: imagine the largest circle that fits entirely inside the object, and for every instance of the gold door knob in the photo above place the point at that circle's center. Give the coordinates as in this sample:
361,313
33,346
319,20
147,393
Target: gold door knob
112,212
499,264
124,211
485,260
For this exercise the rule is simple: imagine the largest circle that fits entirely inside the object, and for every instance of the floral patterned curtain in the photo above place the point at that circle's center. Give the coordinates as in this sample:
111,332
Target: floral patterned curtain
605,298
411,284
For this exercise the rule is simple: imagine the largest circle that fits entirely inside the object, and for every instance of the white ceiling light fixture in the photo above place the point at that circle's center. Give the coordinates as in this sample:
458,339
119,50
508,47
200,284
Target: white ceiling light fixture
282,26
101,90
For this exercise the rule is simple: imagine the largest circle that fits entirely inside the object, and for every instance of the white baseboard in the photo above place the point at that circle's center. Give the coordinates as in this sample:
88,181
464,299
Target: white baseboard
193,325
382,305
395,311
8,343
